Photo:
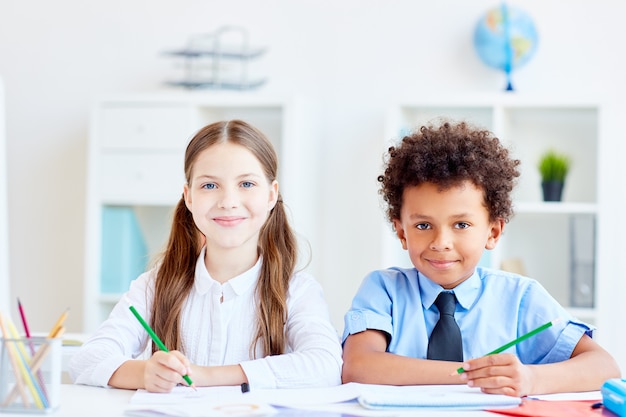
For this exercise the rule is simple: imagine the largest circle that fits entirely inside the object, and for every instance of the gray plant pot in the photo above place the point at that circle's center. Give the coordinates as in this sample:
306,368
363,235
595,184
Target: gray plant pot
552,190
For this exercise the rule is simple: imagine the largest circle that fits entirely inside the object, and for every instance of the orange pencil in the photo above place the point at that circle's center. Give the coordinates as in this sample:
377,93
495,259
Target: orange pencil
58,324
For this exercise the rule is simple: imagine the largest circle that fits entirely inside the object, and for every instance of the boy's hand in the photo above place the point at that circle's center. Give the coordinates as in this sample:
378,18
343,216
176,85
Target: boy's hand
165,370
499,374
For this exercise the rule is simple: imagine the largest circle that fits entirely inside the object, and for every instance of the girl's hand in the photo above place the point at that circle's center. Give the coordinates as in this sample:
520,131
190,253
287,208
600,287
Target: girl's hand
499,374
165,370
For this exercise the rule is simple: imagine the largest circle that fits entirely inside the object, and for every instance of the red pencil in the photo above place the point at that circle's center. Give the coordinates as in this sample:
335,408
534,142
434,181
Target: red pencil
24,322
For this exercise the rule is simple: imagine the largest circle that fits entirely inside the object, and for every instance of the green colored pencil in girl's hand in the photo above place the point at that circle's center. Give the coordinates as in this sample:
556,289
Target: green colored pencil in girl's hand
156,339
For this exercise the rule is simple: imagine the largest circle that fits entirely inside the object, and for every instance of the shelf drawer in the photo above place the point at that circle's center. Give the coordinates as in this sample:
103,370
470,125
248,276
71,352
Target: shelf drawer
156,127
132,178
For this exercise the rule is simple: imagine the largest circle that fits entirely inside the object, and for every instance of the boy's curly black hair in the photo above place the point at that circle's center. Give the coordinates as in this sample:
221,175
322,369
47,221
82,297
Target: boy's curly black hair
447,155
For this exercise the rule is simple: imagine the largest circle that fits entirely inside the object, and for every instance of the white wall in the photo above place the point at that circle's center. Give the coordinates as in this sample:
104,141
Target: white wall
4,218
353,57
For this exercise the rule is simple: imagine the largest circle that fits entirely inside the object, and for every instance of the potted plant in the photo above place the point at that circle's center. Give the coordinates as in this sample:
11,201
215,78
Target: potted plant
553,167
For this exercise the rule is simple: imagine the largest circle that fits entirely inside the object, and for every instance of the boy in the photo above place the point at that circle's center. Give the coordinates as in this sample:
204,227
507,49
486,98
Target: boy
447,190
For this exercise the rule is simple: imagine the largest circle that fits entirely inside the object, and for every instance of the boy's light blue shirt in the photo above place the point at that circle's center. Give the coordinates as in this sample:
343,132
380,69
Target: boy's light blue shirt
494,307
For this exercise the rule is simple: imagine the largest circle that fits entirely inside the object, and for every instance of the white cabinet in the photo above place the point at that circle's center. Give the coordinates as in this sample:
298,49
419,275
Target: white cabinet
135,177
555,243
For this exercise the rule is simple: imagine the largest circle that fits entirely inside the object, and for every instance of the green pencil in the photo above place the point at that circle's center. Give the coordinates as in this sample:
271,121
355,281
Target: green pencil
516,341
156,338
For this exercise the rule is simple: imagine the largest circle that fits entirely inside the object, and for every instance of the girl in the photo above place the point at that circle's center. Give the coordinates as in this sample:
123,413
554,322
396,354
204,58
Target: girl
225,297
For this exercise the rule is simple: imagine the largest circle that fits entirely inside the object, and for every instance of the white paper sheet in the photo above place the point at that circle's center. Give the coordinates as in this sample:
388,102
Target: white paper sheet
230,401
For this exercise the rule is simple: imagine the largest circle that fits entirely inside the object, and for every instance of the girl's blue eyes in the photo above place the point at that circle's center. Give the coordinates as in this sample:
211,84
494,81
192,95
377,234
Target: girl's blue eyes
212,186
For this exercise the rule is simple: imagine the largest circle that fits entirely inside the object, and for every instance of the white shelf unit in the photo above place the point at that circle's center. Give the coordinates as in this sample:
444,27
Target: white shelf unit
135,163
553,242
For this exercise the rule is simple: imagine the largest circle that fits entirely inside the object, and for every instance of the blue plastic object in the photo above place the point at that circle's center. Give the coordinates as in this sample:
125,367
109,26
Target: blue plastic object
614,396
124,252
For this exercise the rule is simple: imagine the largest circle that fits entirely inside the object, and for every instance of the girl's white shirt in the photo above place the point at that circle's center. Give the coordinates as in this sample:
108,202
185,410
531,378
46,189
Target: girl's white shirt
218,325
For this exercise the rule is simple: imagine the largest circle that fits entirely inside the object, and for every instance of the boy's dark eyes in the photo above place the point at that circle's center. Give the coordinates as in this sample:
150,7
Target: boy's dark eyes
426,226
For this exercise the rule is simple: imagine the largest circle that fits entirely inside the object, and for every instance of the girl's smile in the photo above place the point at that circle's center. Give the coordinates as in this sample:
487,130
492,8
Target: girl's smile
229,221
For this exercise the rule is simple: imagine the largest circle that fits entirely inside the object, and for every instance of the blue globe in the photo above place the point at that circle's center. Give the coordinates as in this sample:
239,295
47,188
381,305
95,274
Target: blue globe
505,38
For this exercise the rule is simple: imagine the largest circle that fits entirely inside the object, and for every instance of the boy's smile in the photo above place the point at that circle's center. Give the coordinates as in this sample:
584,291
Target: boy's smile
446,231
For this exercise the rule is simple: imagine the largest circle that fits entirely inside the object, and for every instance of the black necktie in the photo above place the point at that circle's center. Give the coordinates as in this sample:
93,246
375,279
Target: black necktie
445,342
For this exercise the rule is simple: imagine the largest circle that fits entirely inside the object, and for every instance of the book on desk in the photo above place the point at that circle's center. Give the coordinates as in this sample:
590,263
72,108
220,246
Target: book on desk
350,399
111,402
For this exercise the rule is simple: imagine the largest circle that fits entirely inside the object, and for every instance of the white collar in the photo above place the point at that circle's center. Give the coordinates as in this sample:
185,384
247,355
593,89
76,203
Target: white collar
239,284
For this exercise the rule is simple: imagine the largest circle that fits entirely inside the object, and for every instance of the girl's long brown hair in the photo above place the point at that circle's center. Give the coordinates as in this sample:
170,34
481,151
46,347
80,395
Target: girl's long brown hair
277,245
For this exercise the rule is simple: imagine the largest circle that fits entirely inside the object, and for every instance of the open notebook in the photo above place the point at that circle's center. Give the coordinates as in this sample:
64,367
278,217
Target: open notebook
342,400
429,397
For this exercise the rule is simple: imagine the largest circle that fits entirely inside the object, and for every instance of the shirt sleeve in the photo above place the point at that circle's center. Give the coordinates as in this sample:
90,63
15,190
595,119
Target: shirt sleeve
313,358
120,338
371,308
556,343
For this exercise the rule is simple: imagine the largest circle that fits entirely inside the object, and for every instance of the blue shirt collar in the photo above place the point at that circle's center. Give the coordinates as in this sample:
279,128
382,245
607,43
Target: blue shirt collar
466,292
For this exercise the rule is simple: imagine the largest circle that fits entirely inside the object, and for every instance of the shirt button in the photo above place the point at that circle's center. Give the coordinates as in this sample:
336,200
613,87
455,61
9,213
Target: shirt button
355,316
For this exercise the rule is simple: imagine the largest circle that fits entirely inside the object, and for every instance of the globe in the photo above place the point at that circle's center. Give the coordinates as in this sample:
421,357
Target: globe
505,38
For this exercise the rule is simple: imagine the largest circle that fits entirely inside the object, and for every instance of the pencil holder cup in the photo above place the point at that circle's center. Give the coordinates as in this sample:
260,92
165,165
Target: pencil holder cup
30,375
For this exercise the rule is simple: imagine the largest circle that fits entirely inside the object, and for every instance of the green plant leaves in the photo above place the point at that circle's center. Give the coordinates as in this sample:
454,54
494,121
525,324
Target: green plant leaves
554,166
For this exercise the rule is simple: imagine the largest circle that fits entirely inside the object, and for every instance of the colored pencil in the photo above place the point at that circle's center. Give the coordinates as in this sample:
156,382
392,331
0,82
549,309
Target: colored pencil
30,344
516,341
38,389
156,339
10,353
58,324
23,316
35,364
33,384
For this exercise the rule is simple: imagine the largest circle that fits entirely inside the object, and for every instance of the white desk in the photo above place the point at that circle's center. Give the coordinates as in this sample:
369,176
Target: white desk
71,345
84,401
